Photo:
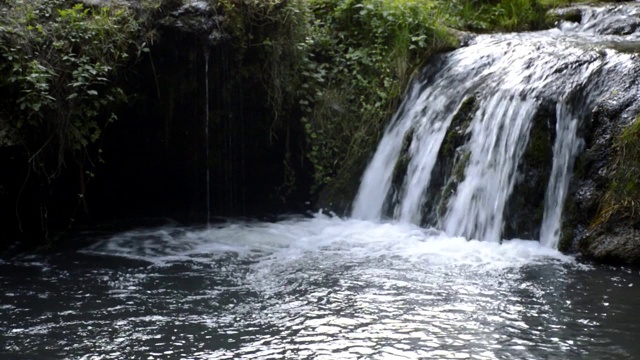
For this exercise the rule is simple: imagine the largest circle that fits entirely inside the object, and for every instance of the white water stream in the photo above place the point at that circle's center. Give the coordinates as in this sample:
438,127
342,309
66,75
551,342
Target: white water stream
510,76
323,287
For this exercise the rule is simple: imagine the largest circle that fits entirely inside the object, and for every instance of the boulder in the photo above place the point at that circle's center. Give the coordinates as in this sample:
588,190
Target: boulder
614,245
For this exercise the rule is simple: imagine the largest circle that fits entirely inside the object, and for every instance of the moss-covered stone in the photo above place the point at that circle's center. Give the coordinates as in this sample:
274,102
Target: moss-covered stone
601,217
615,244
526,204
570,14
452,160
457,176
399,174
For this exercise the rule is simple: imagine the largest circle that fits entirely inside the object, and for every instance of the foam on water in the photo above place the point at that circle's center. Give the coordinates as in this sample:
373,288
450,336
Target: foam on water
321,235
318,287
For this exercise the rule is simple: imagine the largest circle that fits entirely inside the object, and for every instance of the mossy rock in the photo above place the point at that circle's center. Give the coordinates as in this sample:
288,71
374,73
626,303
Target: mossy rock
570,14
457,176
399,174
614,244
525,207
452,160
602,213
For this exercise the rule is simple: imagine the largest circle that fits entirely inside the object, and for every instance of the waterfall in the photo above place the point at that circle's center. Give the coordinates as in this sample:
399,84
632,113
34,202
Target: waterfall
565,149
509,78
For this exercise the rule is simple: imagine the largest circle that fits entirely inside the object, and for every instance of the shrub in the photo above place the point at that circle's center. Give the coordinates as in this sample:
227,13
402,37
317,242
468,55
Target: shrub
361,55
59,63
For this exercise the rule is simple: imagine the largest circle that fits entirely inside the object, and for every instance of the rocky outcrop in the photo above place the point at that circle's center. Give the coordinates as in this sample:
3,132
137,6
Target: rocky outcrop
614,238
569,14
526,204
196,17
618,244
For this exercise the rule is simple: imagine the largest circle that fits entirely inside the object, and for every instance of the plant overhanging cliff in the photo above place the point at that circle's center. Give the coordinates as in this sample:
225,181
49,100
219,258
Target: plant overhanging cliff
334,68
59,70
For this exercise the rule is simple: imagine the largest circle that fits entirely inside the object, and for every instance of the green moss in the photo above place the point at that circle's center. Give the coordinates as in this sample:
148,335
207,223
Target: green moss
571,15
451,162
621,201
526,202
400,168
539,153
457,176
568,226
365,51
458,128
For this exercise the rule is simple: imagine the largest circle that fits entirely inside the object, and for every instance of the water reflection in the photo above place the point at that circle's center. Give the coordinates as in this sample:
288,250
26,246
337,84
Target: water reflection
316,288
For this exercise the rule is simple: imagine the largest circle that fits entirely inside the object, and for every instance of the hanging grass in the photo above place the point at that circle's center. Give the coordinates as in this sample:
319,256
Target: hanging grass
621,201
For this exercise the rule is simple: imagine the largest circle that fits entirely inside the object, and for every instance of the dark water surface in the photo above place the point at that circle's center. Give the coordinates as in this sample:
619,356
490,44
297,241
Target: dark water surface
320,288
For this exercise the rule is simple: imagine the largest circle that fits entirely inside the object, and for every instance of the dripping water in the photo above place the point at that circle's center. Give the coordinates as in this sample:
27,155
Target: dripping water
206,134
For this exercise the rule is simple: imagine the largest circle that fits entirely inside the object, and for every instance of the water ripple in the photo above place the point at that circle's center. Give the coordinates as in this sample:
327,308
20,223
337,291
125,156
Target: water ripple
338,289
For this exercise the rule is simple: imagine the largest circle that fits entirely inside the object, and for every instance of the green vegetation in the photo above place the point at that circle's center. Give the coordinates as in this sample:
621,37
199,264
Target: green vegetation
274,32
58,70
622,198
359,55
339,66
501,15
342,63
506,15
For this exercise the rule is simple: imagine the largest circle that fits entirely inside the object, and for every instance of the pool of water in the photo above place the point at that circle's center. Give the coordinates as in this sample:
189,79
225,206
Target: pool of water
318,288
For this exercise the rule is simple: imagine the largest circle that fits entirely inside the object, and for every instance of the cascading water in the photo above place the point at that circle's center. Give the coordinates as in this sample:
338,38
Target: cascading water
460,151
509,77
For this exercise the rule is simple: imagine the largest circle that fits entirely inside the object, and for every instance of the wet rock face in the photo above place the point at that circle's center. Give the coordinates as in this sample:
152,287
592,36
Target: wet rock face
616,245
609,19
195,17
617,240
526,204
453,157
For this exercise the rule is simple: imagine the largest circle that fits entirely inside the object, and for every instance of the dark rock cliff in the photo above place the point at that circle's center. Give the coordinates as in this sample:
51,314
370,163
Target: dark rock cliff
152,159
